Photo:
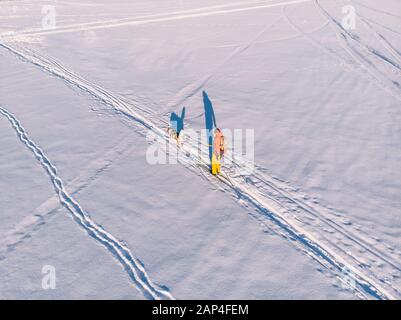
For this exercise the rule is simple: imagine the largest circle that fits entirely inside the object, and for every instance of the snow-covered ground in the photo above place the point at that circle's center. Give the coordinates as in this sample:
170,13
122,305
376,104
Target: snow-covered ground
318,218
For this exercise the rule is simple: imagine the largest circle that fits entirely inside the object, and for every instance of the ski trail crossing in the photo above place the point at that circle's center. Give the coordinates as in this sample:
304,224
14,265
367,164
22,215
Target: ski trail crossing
111,22
361,67
152,19
367,284
12,238
394,52
131,264
351,42
193,88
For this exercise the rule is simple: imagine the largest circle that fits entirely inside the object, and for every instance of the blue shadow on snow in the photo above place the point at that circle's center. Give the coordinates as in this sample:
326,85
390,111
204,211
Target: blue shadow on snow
177,122
210,121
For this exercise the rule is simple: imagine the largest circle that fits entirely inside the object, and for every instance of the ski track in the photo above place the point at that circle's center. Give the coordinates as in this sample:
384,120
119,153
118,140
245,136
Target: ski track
347,39
375,52
383,40
173,16
50,207
377,10
398,33
192,89
366,244
131,264
258,190
318,45
111,22
361,67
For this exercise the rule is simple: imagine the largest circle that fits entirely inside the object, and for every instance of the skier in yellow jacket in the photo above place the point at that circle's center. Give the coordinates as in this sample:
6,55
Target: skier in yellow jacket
218,151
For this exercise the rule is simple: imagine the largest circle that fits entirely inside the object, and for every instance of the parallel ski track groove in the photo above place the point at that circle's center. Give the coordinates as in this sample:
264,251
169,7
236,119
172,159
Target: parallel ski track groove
365,286
133,266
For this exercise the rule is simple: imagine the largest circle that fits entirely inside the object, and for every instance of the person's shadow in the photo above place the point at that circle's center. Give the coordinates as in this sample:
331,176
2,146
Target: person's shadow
210,121
177,122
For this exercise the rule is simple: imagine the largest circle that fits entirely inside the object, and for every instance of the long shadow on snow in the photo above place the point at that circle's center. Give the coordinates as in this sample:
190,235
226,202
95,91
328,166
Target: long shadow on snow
210,121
